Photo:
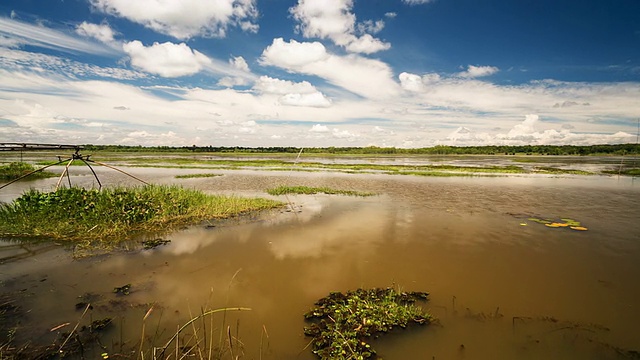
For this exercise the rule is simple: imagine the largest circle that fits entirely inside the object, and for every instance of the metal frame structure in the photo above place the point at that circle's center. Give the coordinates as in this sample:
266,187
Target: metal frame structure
75,156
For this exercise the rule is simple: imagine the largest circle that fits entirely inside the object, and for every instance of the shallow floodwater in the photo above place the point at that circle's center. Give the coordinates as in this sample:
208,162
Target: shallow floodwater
502,287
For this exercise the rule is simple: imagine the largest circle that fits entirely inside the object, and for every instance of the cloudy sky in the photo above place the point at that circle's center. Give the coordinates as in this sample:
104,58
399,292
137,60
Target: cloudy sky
404,73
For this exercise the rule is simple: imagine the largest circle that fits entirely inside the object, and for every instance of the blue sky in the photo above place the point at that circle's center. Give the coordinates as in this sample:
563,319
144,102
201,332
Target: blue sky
404,73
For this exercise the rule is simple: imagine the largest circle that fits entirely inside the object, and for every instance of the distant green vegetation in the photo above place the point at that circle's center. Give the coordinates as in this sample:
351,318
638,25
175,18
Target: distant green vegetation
110,216
627,172
306,190
553,170
191,176
17,169
617,149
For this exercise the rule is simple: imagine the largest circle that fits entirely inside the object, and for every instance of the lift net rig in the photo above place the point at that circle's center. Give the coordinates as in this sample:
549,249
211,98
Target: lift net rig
68,160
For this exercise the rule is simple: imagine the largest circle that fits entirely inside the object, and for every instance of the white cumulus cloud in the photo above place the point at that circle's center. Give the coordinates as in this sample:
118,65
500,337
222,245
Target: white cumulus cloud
320,128
101,32
334,20
316,99
166,59
185,19
366,77
266,84
478,71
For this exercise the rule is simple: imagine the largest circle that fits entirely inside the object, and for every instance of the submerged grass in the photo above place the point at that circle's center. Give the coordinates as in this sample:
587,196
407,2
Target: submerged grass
112,215
342,322
15,170
192,176
306,190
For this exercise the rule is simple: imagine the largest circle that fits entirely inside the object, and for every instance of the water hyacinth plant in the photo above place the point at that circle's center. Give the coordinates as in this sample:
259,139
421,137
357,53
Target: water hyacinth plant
342,322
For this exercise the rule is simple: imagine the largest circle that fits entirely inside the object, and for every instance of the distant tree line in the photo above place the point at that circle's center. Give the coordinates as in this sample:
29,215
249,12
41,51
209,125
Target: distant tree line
617,149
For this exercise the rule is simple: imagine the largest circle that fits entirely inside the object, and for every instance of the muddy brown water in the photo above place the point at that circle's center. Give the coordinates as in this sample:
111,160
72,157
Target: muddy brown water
500,289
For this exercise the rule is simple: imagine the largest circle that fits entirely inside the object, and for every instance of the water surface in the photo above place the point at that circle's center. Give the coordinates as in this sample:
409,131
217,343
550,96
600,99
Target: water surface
502,286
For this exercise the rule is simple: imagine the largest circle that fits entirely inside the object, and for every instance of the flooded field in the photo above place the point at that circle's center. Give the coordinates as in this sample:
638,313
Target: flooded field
501,285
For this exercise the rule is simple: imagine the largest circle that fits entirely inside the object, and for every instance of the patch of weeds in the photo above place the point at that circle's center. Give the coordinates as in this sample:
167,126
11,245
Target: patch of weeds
103,219
306,190
626,172
191,176
553,170
342,322
17,169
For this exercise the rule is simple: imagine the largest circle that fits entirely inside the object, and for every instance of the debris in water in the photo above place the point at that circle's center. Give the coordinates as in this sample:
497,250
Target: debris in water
122,290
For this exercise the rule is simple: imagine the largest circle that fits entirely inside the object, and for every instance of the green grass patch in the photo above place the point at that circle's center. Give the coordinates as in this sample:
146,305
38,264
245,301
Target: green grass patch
343,322
626,172
192,176
110,216
15,170
306,190
553,170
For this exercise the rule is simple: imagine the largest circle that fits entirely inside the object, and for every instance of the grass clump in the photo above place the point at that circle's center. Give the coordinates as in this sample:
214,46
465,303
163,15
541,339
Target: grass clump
17,169
192,176
113,215
306,190
627,172
342,322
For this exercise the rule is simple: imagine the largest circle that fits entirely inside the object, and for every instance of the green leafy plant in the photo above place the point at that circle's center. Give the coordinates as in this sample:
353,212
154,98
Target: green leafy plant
113,215
343,321
15,170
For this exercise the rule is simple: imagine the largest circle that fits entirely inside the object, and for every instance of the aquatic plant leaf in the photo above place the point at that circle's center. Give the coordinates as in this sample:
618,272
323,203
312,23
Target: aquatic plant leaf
579,228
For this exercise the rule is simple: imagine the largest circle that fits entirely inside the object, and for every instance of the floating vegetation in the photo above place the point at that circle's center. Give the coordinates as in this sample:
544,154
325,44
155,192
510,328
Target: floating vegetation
626,172
342,322
154,243
191,176
17,169
554,170
306,190
122,290
562,223
102,219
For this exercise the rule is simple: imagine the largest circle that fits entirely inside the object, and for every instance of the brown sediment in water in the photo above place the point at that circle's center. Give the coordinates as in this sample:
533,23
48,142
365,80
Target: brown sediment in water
454,237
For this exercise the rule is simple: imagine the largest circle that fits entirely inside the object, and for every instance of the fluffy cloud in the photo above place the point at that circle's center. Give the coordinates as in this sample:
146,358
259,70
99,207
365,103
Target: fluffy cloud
334,20
293,55
417,83
102,32
316,99
478,71
186,18
270,85
293,94
239,63
369,26
166,59
366,77
320,128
